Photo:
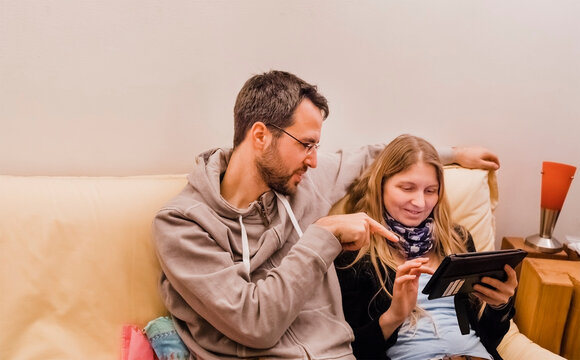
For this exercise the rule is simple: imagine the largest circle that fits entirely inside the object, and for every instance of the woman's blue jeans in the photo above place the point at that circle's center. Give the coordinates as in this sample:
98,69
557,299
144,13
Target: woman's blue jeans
165,341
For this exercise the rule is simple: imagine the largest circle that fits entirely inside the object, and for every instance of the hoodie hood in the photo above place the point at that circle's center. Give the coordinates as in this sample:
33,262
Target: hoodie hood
205,180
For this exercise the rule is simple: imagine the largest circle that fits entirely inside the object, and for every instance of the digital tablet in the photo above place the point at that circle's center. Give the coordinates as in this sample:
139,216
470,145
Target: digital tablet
459,272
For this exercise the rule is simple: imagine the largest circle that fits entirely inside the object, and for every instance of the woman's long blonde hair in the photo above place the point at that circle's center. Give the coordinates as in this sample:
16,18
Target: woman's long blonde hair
366,195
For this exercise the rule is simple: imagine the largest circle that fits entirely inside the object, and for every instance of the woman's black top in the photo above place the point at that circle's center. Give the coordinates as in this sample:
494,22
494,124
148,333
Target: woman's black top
363,307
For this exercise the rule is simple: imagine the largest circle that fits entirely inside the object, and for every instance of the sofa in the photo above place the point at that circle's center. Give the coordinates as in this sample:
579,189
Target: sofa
77,261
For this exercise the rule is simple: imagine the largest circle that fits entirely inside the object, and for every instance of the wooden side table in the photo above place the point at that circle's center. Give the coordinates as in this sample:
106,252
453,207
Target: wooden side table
514,242
548,304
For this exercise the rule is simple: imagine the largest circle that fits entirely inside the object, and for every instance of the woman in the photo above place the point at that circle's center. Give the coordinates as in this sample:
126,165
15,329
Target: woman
381,283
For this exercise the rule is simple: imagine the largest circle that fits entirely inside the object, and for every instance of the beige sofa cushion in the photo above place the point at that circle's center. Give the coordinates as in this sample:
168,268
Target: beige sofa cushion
473,196
516,345
76,262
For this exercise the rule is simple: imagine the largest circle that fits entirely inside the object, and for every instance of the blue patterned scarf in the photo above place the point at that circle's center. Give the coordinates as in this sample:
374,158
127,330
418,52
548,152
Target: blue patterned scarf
413,241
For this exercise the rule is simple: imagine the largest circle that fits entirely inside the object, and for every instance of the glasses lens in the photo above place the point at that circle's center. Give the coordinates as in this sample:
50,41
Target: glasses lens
311,147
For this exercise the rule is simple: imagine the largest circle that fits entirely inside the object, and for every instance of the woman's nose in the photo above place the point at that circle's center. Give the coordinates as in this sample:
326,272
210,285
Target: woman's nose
418,199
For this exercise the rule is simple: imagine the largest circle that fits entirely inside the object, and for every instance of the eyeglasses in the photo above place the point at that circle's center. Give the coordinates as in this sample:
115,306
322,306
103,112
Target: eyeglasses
309,147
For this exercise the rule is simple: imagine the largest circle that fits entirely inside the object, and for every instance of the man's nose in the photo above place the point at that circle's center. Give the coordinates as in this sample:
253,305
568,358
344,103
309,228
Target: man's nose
311,159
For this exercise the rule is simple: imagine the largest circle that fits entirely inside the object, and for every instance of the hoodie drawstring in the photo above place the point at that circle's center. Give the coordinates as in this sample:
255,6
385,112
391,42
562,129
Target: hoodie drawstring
246,246
290,213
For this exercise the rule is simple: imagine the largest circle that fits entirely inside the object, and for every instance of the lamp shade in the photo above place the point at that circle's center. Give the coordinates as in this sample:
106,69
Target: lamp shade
556,180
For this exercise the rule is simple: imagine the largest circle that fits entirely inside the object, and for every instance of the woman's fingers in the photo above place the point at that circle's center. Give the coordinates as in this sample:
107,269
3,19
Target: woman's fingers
422,270
404,278
500,291
416,266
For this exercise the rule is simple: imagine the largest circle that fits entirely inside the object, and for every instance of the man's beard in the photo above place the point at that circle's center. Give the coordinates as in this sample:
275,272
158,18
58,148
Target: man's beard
271,170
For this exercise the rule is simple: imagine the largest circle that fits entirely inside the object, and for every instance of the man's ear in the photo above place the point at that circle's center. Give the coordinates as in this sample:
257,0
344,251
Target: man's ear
260,136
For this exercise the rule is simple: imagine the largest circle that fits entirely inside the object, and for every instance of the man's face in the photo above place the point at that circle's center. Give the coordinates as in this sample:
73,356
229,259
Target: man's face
283,163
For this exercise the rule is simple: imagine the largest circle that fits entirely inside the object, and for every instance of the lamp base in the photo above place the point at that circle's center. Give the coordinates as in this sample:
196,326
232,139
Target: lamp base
545,245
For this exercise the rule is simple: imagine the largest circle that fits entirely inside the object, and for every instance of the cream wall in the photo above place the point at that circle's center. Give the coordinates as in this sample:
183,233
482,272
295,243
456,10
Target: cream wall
123,87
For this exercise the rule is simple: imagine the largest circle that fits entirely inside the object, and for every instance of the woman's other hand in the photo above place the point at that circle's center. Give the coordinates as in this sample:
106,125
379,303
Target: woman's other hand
501,291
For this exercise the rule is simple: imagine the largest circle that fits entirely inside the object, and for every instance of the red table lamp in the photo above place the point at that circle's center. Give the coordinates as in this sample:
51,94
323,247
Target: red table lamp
556,180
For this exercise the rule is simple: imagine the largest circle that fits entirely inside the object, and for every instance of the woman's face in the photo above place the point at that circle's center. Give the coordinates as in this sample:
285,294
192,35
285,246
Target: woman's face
411,195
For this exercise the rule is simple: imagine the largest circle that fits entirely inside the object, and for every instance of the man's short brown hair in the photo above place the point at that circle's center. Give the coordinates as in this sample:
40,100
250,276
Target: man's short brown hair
272,98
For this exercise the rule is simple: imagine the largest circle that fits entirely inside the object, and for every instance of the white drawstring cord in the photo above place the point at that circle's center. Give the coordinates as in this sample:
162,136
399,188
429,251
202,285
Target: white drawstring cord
245,247
290,213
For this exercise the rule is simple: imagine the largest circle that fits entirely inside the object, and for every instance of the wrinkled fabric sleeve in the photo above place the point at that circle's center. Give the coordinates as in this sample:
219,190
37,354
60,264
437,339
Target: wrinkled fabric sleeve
207,280
494,324
446,154
336,171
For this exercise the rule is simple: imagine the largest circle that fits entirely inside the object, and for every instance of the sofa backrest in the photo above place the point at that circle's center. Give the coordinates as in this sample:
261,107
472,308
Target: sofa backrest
77,262
473,196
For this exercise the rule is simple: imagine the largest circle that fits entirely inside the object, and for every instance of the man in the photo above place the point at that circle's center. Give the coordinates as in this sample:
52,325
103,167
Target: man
246,249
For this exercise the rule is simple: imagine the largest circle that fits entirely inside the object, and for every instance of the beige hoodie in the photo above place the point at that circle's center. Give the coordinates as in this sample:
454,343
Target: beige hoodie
288,305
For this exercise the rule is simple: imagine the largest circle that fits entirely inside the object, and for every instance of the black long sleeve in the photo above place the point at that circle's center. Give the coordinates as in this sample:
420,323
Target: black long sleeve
364,302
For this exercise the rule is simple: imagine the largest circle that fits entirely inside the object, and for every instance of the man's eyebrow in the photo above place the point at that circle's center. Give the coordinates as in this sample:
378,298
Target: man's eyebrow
309,140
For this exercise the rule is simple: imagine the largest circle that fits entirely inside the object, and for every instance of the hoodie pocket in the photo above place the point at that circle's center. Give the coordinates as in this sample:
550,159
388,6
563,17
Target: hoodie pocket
329,336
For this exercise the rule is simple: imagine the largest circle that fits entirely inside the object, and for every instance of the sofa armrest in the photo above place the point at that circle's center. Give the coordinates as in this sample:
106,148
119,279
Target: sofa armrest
516,346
